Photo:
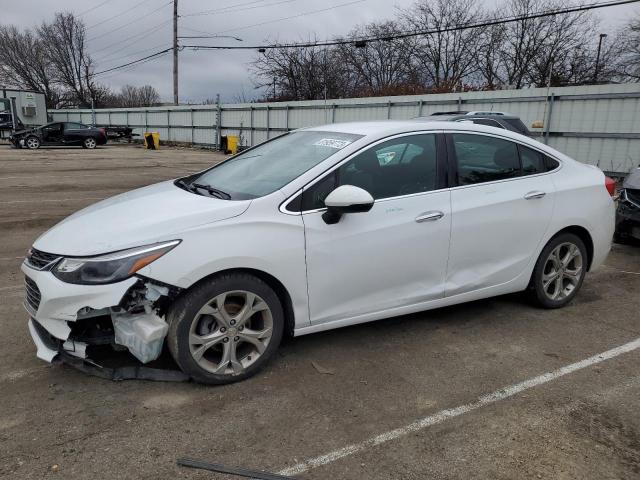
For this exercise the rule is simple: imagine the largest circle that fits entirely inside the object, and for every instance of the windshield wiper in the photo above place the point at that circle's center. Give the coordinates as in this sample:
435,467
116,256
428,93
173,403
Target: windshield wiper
212,191
182,184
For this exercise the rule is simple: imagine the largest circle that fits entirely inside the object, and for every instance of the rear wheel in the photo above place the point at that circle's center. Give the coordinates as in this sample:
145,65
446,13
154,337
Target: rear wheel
559,271
32,142
89,143
225,329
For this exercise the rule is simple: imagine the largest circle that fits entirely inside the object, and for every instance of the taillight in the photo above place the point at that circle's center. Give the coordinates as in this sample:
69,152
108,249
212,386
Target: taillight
104,132
610,185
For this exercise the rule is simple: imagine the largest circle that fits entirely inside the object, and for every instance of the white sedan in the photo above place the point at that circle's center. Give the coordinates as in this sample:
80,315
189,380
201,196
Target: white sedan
319,228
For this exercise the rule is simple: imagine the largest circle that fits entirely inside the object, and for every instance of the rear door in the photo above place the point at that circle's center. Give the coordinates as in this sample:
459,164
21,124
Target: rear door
74,133
501,208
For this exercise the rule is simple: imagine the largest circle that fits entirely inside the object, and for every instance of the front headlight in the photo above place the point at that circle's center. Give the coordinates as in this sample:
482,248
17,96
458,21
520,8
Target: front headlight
112,267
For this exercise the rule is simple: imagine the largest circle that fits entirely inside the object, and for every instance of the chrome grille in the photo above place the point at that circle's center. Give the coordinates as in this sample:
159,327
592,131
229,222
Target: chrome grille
39,260
32,296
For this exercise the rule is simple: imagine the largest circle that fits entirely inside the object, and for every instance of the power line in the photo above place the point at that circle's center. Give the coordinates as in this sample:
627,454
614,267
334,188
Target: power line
140,34
92,8
116,56
153,55
290,17
139,4
518,18
416,33
231,8
127,24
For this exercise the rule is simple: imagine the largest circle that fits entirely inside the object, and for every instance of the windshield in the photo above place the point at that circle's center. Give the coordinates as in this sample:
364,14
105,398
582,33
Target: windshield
270,166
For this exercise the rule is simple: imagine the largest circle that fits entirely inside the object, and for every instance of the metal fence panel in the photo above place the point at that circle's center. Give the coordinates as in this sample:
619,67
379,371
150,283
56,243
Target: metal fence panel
597,124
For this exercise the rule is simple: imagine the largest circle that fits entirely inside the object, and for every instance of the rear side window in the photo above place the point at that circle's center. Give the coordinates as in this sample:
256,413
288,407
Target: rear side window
550,163
482,158
532,161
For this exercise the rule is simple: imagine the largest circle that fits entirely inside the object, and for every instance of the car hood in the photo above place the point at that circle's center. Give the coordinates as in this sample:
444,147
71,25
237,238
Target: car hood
146,215
633,180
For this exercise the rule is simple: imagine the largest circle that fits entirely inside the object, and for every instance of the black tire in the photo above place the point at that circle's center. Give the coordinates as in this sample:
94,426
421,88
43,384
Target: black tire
89,143
32,142
537,291
182,314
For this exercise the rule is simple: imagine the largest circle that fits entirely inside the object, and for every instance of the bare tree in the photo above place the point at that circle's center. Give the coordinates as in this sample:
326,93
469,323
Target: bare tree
629,51
378,66
65,49
299,73
148,96
131,96
444,59
23,63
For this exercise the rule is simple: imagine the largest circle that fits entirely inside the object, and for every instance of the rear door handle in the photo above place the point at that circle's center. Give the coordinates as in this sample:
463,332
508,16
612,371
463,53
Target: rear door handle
534,194
429,216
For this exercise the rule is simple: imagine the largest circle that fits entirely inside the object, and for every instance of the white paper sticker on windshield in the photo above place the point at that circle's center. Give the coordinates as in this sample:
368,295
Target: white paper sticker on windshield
332,143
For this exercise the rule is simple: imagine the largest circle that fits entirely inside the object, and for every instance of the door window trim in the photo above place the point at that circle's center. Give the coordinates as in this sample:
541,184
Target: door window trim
442,175
453,161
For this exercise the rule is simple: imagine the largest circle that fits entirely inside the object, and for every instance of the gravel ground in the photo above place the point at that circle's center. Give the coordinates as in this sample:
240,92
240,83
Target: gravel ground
324,391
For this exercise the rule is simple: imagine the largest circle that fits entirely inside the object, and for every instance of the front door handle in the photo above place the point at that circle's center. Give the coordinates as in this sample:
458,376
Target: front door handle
429,216
534,194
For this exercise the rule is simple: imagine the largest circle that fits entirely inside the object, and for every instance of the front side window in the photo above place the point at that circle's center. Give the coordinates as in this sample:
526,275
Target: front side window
272,165
482,158
397,167
74,126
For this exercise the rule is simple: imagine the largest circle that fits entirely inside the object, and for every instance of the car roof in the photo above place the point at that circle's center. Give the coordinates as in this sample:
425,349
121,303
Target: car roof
384,128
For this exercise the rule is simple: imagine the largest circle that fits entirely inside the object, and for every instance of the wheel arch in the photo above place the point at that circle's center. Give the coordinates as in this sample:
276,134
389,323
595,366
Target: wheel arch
277,286
584,235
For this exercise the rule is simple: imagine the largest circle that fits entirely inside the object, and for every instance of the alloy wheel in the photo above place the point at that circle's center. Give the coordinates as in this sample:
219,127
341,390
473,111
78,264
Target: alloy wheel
33,143
90,143
562,272
230,332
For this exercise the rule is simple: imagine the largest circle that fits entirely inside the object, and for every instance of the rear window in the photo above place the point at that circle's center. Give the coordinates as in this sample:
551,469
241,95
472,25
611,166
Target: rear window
517,124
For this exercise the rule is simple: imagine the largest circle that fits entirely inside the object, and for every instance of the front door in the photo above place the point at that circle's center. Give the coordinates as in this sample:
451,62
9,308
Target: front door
501,209
52,133
395,255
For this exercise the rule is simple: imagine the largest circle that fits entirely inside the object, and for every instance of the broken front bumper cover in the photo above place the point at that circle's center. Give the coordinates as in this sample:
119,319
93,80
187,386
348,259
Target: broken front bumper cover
108,330
70,353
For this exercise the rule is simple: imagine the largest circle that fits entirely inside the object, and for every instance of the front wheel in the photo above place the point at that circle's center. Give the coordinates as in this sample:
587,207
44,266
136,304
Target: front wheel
559,271
89,143
225,329
32,143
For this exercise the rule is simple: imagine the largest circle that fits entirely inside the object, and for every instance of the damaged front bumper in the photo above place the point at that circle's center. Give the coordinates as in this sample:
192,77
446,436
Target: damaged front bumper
628,214
69,321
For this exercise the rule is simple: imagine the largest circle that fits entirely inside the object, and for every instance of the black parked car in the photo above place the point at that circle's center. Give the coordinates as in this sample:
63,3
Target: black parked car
491,119
628,213
59,133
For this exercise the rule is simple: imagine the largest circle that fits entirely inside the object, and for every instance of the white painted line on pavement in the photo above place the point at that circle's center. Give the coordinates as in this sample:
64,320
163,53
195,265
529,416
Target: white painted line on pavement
444,415
621,271
13,287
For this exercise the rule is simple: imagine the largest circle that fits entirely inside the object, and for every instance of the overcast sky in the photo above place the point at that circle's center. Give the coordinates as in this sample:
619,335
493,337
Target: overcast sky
120,31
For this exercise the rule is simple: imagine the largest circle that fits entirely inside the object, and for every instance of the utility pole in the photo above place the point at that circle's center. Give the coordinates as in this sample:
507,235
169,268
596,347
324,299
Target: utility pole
595,74
175,52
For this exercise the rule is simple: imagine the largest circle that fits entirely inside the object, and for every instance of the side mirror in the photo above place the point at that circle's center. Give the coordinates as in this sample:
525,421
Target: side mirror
346,199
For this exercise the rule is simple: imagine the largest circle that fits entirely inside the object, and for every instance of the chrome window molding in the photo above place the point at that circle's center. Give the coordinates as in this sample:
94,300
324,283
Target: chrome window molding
330,170
285,203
